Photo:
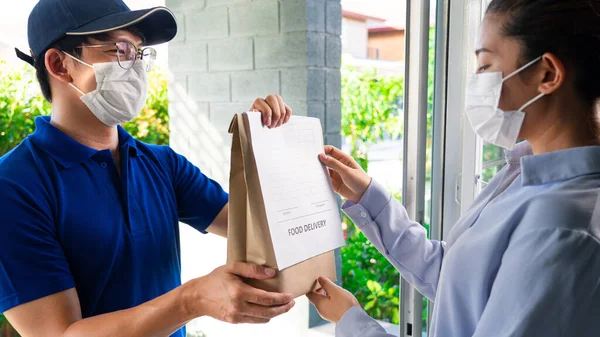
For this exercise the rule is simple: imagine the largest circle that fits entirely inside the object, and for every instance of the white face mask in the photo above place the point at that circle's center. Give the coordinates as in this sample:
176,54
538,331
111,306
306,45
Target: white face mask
120,94
481,107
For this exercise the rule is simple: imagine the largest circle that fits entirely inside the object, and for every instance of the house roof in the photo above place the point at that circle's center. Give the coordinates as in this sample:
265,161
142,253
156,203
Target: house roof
380,15
360,16
386,28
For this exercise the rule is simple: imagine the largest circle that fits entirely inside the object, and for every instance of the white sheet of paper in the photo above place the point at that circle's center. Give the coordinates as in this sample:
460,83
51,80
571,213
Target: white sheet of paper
300,203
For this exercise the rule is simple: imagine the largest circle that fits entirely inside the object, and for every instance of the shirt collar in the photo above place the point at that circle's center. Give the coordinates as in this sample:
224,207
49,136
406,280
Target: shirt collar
520,150
554,166
66,150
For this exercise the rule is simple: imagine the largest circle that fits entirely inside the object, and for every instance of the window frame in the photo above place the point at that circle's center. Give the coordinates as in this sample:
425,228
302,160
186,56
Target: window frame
463,147
415,144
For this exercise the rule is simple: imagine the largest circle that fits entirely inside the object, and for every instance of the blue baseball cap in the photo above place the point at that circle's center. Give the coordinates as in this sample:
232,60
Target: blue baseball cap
51,20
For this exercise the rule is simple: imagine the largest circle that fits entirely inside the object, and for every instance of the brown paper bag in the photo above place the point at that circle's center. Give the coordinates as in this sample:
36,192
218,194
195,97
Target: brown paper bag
249,238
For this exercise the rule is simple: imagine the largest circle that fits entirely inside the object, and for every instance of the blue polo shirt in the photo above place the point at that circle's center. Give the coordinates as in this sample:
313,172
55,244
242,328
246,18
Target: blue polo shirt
69,219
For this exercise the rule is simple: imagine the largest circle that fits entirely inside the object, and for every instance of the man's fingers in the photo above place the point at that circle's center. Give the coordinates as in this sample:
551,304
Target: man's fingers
274,104
288,114
255,320
264,298
281,109
341,156
254,310
240,319
250,270
267,113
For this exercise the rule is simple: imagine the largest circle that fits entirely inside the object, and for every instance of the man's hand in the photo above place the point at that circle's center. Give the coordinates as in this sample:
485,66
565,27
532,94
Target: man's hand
223,295
331,301
274,111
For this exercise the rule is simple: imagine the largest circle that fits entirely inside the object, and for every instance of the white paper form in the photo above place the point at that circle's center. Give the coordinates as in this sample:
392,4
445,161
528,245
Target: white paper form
304,219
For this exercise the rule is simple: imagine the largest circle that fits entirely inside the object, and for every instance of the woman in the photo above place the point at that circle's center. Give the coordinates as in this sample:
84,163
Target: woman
525,259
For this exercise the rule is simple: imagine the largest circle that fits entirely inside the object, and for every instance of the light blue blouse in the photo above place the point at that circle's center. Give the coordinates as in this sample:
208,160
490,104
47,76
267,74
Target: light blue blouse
523,261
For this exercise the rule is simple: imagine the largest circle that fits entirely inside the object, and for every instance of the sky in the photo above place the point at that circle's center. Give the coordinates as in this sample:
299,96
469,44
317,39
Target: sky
13,25
392,11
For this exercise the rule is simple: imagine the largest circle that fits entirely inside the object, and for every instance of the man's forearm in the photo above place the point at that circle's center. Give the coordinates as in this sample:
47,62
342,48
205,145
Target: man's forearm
159,317
220,223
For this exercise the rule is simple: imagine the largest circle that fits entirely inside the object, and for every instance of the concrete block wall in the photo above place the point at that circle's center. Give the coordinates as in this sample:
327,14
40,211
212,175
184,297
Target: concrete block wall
226,54
229,52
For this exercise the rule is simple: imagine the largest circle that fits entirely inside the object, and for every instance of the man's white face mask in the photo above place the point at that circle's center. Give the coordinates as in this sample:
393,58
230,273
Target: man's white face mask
492,124
120,94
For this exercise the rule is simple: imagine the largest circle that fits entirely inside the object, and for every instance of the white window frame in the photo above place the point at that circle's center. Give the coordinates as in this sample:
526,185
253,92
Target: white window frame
463,147
415,145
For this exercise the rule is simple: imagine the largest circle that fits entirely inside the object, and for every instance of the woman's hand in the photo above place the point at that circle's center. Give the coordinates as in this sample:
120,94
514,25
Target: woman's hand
331,301
347,177
274,112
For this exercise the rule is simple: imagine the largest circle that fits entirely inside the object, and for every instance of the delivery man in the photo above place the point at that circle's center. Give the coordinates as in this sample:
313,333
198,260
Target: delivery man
89,237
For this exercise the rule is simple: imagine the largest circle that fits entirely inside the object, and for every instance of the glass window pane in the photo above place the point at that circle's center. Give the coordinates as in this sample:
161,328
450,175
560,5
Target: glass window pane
372,126
492,162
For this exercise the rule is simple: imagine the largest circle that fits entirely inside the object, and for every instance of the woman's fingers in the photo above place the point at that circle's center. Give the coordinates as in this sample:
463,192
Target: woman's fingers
334,303
333,163
341,156
327,285
336,181
319,300
320,291
349,180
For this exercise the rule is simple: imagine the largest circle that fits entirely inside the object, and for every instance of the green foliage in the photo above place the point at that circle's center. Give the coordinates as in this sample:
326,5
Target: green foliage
370,109
491,153
21,102
370,277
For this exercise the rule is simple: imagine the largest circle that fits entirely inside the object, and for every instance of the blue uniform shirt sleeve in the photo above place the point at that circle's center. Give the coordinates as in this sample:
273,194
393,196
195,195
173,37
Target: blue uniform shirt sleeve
403,242
32,262
199,198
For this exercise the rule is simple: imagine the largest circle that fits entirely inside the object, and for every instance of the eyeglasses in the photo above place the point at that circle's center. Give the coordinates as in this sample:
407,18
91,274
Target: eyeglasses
127,54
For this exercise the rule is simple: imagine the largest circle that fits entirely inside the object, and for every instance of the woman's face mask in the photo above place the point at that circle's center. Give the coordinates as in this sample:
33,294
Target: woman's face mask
120,94
489,122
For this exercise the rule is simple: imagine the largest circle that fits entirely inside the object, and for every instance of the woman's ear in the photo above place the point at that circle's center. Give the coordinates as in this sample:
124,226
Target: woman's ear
56,65
553,74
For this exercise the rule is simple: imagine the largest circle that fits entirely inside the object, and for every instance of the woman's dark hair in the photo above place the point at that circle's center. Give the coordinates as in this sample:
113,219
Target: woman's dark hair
569,29
70,44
